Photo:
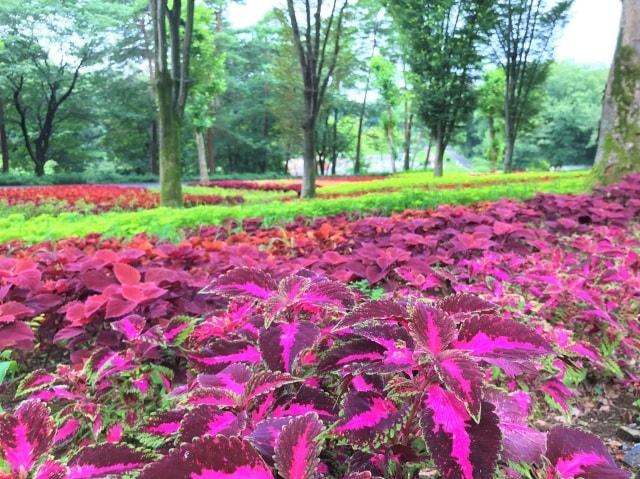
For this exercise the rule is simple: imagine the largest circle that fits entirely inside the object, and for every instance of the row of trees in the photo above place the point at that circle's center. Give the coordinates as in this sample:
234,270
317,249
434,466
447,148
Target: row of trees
151,85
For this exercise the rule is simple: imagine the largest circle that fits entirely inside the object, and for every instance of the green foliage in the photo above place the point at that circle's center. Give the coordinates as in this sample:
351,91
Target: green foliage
168,223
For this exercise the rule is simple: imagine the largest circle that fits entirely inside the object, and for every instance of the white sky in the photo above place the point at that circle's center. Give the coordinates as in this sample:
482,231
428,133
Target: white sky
589,37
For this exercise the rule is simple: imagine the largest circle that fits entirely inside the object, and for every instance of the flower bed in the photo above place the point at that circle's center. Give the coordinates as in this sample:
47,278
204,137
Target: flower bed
247,345
250,185
99,198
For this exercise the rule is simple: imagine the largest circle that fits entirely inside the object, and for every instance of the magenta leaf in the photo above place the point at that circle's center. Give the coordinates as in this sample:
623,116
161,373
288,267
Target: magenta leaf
106,460
298,448
352,352
16,335
431,328
282,343
35,381
131,326
265,434
126,274
466,304
265,382
575,454
233,378
373,311
500,341
210,458
164,424
243,282
308,400
209,420
462,377
215,357
367,415
520,442
460,447
51,470
26,435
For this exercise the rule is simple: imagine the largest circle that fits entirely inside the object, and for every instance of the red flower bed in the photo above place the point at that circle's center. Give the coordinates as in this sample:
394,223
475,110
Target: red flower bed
101,198
250,185
247,346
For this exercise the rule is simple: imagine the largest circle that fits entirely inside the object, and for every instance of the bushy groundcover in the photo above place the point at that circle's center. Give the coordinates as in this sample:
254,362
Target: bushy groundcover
98,198
256,352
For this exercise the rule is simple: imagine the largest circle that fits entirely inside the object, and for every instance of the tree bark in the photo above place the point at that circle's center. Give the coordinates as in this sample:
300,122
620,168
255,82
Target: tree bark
392,145
428,156
211,150
438,168
154,162
309,165
169,134
509,147
334,143
493,149
4,145
202,157
408,126
619,136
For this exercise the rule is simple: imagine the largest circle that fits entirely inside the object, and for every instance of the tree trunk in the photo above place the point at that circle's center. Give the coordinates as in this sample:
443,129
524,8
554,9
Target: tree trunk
509,147
408,126
428,157
438,168
392,149
169,129
39,169
4,146
211,151
202,157
309,166
334,143
363,108
619,136
493,147
153,148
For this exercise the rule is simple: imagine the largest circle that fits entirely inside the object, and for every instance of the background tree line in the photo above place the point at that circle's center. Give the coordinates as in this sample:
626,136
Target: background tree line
335,82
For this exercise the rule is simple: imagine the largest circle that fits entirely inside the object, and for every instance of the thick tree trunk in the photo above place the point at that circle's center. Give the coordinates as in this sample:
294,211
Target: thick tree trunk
493,146
438,167
170,166
619,137
408,126
39,169
309,166
202,157
4,146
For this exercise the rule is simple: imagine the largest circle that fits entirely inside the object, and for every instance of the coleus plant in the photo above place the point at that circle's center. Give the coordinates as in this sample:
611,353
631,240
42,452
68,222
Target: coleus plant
312,382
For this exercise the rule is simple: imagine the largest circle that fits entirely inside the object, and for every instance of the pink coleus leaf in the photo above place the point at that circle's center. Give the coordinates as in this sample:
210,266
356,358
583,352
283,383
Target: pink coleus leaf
281,344
265,382
466,304
298,448
243,282
520,442
209,420
26,435
265,434
51,470
367,415
12,311
217,356
500,341
233,378
106,460
308,400
211,458
462,377
380,310
16,335
126,274
431,328
164,424
460,447
213,397
352,352
35,381
575,454
131,326
67,431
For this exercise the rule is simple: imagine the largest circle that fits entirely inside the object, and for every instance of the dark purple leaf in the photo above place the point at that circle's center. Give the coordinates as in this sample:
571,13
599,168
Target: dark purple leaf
298,448
106,460
282,343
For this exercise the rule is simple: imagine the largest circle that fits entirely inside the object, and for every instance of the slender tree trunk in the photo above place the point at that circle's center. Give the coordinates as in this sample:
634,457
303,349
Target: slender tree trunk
493,147
363,108
428,157
509,147
309,155
202,156
4,145
392,149
169,129
211,150
408,126
334,143
510,130
438,168
154,148
619,136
